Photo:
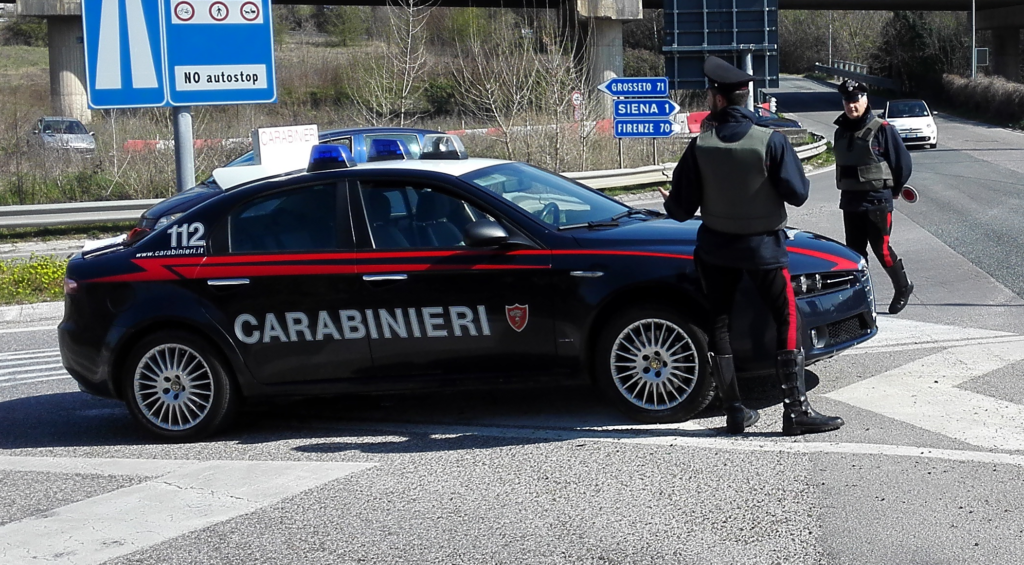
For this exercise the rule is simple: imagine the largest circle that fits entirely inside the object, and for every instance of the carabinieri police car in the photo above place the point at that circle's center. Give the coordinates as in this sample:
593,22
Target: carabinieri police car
402,274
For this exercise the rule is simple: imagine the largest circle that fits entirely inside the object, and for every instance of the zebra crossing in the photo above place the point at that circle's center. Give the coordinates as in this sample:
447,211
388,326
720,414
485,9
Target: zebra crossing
31,366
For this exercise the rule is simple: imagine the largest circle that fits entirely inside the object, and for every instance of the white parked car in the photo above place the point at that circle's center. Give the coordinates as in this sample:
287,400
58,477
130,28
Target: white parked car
914,121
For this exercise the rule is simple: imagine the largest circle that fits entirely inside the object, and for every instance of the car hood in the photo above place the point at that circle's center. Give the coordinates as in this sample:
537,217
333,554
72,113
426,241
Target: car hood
808,252
69,140
183,201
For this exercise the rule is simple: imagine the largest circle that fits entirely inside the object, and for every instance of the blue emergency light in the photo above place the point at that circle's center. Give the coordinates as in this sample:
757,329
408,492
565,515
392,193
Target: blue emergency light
329,158
386,150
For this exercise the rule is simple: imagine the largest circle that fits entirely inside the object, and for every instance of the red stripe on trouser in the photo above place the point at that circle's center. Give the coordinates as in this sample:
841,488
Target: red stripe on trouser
886,257
791,312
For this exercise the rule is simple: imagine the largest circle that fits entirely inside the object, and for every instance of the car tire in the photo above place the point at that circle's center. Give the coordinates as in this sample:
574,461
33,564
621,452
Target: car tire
653,365
177,388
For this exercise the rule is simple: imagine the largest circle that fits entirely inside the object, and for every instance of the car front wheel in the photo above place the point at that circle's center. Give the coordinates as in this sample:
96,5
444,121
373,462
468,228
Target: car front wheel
176,386
653,364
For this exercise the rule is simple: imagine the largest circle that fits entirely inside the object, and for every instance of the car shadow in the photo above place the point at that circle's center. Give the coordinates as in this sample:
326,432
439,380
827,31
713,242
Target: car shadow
401,423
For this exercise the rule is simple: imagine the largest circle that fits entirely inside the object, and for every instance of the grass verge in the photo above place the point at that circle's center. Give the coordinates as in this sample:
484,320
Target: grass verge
35,279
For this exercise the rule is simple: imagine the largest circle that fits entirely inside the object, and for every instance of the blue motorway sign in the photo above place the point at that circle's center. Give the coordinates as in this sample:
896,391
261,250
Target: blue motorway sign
219,52
644,108
178,52
635,86
124,60
654,127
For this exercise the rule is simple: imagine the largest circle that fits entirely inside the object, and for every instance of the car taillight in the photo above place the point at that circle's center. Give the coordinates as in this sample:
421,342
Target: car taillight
70,286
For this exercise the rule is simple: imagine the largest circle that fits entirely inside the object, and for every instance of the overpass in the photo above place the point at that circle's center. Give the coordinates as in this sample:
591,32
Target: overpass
67,58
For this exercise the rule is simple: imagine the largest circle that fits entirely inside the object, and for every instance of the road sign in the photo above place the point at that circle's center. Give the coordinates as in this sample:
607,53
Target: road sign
635,86
645,128
640,108
240,70
124,64
577,98
144,53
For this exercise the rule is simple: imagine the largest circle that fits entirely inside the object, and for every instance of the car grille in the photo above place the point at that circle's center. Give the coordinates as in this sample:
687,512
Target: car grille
846,330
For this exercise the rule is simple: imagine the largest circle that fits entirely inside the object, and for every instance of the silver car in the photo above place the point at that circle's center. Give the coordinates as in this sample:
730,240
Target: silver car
65,133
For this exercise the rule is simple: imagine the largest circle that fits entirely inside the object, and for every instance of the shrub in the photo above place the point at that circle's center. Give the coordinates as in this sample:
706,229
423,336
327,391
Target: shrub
991,97
24,31
642,63
36,279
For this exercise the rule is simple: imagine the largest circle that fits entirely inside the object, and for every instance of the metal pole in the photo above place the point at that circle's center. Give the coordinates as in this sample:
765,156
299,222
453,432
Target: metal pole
655,144
748,65
620,153
184,158
830,38
974,49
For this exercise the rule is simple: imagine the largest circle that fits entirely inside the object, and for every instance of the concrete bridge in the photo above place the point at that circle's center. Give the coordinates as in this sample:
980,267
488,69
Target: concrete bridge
606,17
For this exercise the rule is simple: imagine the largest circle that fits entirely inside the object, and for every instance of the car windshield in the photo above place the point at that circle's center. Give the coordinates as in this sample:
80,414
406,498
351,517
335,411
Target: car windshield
911,109
67,127
553,199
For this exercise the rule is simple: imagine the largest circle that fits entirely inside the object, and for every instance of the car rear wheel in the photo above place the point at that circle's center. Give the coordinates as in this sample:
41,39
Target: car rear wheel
176,386
653,365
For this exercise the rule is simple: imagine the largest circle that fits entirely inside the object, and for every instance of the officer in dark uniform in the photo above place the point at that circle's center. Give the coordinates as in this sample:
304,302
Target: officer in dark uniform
741,176
872,165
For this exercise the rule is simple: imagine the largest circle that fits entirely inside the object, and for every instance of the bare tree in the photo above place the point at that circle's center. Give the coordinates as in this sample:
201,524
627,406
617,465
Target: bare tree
392,82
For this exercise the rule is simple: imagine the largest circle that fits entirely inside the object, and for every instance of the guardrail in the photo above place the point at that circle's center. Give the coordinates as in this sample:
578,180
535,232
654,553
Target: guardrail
856,72
85,213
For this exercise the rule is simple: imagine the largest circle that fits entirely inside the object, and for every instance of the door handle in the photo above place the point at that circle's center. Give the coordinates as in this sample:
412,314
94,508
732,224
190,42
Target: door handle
226,282
391,277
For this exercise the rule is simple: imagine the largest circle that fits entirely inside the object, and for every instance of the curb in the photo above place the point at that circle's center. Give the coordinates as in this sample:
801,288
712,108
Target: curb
32,312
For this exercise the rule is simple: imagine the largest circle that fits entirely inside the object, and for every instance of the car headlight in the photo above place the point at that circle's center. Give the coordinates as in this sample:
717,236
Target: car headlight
166,220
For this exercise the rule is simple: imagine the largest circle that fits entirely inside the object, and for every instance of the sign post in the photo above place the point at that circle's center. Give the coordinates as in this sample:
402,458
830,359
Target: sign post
158,54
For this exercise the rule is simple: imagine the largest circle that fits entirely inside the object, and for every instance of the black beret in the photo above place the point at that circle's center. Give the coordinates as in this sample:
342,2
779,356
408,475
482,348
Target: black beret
851,89
725,77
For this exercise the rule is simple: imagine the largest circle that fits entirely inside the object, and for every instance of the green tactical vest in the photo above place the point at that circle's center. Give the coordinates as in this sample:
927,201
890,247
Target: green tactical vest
738,197
853,153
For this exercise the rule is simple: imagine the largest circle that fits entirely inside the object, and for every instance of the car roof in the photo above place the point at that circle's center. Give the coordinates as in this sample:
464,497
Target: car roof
372,129
452,167
907,100
65,118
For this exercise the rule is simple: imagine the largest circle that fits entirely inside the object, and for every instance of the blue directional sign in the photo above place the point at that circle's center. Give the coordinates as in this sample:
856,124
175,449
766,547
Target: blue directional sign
645,128
635,86
219,52
644,108
178,52
123,53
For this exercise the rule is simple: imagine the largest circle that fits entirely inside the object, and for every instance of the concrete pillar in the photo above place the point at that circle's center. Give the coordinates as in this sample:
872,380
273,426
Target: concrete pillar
68,95
1005,53
605,58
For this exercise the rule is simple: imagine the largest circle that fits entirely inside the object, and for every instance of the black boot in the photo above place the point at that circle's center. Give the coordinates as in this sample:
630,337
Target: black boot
737,416
798,417
901,285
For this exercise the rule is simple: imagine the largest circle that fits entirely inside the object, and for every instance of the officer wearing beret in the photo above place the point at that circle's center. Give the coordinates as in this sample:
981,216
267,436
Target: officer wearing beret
872,165
741,177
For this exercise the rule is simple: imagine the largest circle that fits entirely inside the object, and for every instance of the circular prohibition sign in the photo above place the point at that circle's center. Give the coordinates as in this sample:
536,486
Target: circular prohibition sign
184,11
250,11
219,11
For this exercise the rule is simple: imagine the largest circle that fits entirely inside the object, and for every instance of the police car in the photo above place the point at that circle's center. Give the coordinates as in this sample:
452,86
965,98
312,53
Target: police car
401,274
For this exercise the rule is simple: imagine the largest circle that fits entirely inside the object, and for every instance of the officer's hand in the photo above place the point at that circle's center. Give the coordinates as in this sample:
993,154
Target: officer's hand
664,193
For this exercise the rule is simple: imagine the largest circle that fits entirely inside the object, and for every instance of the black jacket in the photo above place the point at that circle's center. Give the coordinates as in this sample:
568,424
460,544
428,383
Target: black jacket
758,251
886,145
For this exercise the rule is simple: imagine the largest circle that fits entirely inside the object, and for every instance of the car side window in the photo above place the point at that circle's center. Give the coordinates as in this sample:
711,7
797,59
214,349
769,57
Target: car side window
299,219
415,217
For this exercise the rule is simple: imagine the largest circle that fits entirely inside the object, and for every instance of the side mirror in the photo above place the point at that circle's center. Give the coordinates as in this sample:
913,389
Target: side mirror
484,233
35,131
92,133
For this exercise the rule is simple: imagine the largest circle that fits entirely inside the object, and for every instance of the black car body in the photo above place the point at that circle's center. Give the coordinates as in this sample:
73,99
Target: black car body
430,273
767,118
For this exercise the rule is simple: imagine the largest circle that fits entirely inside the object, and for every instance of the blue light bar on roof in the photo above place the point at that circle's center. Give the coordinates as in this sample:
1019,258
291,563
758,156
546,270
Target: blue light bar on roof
386,150
329,158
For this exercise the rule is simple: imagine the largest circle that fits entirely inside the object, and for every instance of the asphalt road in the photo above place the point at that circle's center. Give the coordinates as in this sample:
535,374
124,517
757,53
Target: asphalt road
927,469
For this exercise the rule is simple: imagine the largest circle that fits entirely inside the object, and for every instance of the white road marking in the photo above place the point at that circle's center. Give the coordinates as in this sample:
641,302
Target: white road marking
22,369
32,329
29,353
64,376
183,497
924,393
